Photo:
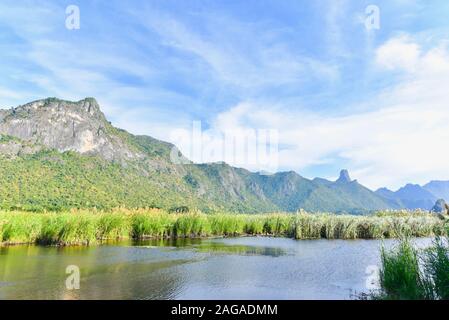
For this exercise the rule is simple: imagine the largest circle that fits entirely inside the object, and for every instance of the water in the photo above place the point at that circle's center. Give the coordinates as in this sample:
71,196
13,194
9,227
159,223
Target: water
237,268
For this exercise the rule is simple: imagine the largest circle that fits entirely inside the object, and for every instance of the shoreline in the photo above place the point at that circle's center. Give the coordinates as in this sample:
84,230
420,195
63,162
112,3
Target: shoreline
113,242
84,228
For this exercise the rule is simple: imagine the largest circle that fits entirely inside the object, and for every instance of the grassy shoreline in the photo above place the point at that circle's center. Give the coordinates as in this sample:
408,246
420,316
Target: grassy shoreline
86,227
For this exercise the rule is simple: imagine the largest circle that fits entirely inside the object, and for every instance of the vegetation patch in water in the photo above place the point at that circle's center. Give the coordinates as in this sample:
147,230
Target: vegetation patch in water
408,273
78,227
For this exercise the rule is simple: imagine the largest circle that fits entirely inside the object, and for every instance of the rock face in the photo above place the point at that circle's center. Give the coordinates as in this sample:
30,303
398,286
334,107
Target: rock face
344,177
440,207
66,126
13,147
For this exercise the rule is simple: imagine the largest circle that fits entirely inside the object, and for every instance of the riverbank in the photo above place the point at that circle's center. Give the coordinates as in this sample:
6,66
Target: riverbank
84,227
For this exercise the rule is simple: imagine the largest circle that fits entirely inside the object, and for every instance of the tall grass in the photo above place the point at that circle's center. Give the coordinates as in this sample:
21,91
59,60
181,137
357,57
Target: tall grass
411,274
19,227
436,268
113,226
400,275
68,229
87,227
227,225
151,224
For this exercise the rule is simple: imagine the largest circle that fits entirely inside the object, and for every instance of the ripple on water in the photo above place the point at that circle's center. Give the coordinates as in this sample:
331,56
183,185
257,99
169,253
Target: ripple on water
225,268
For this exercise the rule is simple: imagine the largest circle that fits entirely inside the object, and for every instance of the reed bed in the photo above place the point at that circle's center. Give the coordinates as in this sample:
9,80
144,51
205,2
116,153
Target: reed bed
84,227
408,273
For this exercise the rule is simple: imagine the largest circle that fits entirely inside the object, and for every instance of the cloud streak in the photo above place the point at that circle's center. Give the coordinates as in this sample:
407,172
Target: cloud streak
377,109
403,139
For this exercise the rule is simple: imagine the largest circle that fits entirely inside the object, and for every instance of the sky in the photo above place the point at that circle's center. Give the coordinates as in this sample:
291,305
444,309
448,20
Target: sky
335,93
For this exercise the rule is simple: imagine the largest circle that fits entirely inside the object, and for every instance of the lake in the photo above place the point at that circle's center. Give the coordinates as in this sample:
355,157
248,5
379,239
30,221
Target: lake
230,268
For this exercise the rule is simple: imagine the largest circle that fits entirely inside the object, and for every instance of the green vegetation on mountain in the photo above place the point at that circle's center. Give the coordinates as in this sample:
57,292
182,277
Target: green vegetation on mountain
50,180
56,155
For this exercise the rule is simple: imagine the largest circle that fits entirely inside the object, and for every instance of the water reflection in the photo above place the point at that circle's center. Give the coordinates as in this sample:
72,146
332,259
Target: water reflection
106,273
217,247
238,268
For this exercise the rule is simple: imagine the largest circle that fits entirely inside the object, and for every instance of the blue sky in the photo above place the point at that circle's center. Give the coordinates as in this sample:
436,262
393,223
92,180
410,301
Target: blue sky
372,101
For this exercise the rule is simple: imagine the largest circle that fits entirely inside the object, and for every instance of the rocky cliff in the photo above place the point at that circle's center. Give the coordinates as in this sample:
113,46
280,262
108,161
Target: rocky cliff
66,126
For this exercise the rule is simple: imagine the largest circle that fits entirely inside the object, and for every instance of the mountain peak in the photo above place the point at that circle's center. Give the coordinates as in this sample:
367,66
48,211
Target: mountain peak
67,126
86,105
344,176
440,207
412,186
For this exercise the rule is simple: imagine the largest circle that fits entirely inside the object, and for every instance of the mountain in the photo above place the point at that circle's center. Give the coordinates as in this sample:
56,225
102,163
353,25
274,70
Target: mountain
290,191
413,196
344,177
439,189
57,154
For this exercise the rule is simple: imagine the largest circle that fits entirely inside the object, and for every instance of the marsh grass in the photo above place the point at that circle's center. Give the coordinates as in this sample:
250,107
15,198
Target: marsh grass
68,229
113,226
408,273
92,226
400,276
436,269
151,224
19,228
278,225
227,225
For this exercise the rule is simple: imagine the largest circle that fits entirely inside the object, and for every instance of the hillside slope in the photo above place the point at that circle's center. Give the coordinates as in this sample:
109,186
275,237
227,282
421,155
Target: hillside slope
57,154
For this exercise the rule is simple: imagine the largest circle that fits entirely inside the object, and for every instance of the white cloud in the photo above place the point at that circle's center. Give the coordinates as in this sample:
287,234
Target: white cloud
405,138
398,53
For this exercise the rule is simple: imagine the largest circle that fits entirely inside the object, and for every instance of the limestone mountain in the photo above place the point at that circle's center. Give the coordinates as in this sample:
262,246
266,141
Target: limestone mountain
344,177
57,154
440,207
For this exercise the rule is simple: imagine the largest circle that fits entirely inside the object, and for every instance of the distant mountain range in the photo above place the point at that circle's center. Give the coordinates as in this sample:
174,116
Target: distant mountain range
57,154
413,196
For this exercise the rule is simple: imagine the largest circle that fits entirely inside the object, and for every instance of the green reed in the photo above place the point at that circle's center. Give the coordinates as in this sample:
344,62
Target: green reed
408,273
91,226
